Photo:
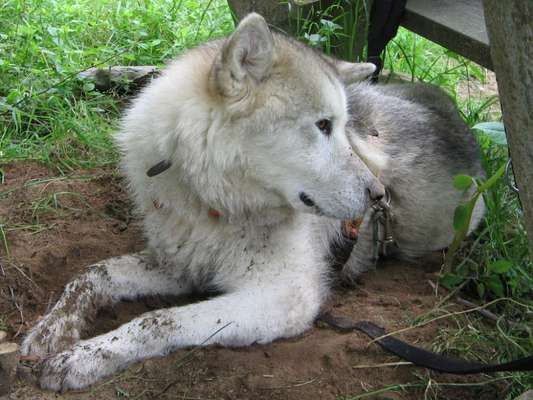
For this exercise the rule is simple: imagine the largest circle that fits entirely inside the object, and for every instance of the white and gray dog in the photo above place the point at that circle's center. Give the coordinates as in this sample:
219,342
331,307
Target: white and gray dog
256,147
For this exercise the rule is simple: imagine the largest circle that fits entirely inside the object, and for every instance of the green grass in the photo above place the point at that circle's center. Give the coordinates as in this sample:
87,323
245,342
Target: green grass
503,236
46,114
3,324
422,60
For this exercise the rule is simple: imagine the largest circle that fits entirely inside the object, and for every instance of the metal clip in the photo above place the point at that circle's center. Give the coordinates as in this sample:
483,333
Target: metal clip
382,220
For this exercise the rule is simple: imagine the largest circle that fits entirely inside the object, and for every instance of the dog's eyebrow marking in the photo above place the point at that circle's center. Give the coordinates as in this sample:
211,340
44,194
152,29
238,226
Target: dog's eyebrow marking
160,167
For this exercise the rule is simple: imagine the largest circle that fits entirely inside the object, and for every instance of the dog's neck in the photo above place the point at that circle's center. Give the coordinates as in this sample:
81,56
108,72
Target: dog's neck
249,204
262,218
246,212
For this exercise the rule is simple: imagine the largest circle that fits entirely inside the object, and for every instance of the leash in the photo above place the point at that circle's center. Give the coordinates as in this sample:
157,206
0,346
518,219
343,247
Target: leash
419,356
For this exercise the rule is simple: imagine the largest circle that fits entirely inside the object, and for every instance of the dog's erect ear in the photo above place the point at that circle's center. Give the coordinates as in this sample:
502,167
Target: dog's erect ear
354,72
246,57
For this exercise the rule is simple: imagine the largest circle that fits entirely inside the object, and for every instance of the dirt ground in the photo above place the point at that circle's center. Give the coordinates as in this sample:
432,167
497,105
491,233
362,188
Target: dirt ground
55,226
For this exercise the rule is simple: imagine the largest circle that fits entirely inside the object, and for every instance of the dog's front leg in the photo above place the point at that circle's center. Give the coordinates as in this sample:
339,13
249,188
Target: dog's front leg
254,314
104,283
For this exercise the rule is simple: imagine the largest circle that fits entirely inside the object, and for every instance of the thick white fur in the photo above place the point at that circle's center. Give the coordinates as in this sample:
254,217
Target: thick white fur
237,120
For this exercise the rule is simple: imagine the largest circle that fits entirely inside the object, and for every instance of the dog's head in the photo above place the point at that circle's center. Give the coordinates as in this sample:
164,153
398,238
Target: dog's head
287,106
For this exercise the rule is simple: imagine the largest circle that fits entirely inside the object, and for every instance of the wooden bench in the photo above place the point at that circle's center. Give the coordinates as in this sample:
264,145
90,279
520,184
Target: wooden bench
458,25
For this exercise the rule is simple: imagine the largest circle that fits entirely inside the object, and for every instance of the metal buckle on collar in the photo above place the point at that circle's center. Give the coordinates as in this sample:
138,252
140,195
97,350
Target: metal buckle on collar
382,225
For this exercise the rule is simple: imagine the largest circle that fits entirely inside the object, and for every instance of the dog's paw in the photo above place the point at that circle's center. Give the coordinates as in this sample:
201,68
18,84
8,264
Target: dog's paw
77,368
352,272
349,279
51,335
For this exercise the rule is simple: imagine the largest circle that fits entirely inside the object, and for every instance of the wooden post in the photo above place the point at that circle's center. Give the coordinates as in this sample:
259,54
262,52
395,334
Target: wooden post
274,11
510,29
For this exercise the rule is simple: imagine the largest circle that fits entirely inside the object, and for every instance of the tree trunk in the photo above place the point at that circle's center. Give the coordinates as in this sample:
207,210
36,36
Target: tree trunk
509,25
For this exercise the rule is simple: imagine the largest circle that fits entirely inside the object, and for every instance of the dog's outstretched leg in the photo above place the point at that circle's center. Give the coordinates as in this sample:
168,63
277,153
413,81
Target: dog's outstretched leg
104,283
363,257
257,313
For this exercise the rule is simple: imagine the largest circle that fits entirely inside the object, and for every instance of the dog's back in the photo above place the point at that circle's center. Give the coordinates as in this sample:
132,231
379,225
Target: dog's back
421,142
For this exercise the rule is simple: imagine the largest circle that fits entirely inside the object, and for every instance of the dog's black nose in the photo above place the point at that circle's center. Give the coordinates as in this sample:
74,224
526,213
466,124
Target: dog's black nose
376,191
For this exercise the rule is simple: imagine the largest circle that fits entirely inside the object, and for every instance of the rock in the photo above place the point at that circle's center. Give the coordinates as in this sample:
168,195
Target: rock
526,396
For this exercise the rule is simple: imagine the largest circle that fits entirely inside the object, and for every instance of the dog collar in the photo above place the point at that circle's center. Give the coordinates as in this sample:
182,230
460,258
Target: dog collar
213,213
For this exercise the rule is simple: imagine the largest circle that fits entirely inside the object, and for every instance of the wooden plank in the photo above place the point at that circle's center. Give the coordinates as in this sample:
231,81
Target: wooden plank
511,38
458,25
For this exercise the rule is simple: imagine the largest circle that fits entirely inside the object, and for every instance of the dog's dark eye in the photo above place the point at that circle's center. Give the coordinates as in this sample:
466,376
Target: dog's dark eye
325,126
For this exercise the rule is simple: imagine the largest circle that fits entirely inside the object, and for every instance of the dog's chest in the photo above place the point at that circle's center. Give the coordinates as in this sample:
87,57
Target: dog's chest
213,255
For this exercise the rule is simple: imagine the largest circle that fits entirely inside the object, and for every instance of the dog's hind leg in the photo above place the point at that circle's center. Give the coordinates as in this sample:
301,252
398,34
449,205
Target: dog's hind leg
363,256
256,313
104,283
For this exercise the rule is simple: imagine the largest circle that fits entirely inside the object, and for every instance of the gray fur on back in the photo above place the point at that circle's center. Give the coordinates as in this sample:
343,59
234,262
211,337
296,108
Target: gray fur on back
420,125
426,143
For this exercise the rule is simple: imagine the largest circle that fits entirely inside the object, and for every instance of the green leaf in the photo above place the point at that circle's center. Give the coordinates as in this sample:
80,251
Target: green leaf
88,87
461,217
462,182
330,24
449,281
500,266
13,97
490,126
315,39
495,285
480,290
52,31
494,131
493,179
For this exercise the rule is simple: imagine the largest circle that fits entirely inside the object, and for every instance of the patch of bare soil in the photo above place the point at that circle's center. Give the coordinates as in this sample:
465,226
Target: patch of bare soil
56,226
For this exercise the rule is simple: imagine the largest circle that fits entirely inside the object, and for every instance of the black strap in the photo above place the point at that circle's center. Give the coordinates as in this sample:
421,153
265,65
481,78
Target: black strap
421,357
385,17
159,168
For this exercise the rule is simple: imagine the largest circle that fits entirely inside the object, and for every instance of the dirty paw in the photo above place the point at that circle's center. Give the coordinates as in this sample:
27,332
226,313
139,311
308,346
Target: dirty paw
51,335
77,368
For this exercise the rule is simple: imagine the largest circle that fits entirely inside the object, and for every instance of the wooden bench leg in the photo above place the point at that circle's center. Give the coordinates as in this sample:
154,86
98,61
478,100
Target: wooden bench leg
511,42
